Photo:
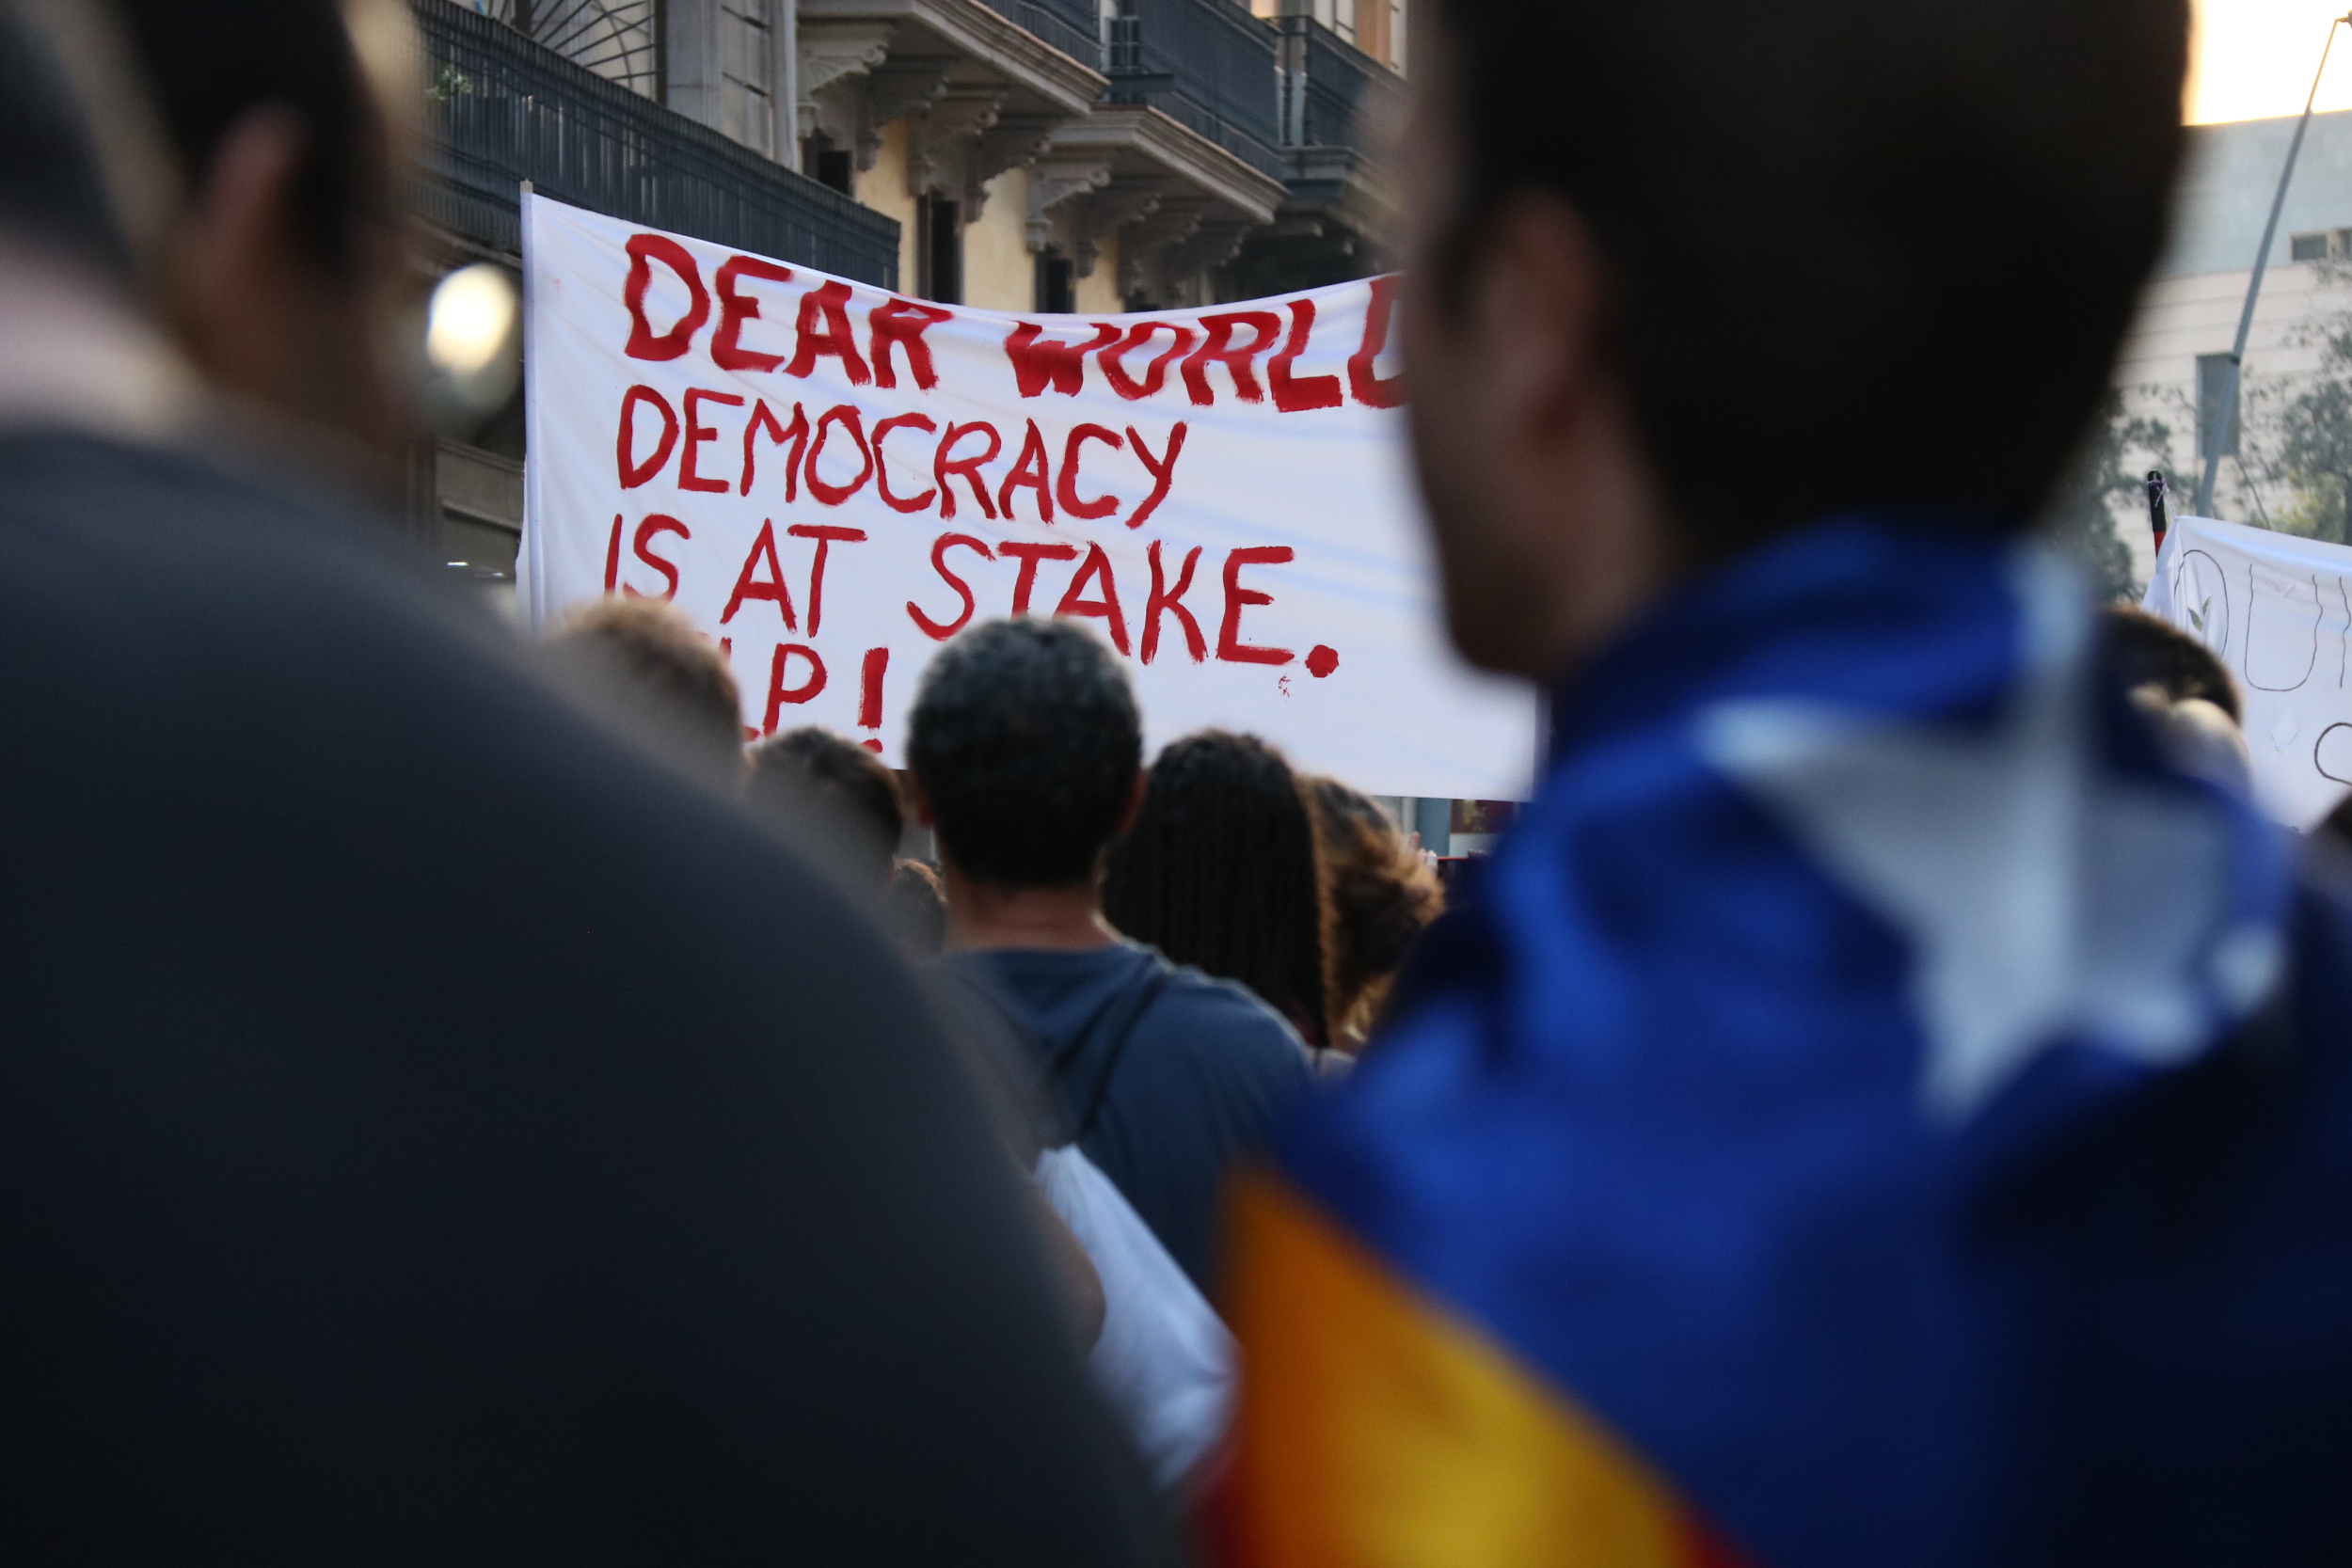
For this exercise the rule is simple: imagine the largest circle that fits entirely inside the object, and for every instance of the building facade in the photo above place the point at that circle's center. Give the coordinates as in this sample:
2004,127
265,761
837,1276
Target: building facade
2171,366
1049,155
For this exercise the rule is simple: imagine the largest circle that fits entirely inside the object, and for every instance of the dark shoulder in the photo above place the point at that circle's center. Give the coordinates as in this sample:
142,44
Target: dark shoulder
183,506
160,605
1225,1018
178,569
2322,934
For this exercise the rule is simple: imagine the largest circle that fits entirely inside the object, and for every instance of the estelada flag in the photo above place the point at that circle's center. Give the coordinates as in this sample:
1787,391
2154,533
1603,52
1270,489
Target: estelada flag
1874,1111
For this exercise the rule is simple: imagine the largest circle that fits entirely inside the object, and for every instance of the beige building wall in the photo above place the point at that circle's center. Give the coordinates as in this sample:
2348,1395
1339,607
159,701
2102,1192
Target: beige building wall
1098,291
998,272
883,189
1375,26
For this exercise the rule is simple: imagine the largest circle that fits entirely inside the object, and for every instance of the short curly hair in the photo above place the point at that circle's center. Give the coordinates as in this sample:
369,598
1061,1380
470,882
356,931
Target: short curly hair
1026,740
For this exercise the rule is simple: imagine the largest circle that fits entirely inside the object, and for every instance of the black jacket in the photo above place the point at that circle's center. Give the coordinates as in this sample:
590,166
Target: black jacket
433,1130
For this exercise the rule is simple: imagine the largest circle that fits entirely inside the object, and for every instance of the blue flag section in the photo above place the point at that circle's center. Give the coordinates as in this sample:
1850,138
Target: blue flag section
1875,1111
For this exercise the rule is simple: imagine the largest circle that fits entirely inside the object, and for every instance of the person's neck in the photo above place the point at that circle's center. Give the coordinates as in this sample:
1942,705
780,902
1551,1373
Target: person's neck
80,356
983,917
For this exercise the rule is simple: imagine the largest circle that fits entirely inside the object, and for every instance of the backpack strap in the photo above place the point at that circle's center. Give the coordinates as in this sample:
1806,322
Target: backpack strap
1121,1028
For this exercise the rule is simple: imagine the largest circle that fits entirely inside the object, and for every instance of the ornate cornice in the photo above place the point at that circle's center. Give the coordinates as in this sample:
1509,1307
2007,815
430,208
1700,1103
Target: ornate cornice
1054,180
1146,137
982,37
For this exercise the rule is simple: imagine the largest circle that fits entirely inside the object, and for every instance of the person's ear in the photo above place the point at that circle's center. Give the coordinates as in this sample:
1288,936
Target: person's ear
1536,302
233,261
305,342
1134,800
919,799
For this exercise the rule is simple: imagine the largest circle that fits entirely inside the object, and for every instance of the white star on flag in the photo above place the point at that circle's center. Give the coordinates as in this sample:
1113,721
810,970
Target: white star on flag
2042,900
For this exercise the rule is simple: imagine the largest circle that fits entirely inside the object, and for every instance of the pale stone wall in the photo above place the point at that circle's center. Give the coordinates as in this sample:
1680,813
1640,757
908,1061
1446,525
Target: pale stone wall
1098,292
998,272
883,189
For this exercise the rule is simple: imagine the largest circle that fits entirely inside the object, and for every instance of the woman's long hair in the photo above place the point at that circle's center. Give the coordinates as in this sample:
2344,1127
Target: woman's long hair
1220,872
1381,895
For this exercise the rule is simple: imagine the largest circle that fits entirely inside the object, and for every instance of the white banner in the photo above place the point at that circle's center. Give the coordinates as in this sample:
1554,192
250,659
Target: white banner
2277,609
832,480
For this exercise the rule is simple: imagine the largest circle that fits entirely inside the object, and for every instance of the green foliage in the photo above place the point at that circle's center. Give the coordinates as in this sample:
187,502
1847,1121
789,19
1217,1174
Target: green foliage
2314,433
2105,486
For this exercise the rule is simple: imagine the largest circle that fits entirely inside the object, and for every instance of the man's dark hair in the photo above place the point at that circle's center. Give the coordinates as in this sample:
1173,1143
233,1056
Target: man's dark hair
209,62
52,194
1219,871
1026,740
813,763
653,662
2146,650
1858,252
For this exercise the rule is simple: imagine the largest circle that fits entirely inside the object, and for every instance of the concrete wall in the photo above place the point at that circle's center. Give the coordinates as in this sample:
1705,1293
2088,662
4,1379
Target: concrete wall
998,272
1098,292
883,189
2233,173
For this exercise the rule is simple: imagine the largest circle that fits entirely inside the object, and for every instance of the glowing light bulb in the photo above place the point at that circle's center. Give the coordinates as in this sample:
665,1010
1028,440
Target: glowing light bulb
471,315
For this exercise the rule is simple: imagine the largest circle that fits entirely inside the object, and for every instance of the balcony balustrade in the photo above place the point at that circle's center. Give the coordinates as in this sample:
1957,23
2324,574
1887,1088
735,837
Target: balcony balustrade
501,110
1208,65
1069,25
1333,94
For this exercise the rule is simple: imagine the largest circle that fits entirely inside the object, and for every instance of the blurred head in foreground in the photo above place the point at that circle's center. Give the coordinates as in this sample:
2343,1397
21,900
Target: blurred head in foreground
1382,895
648,660
236,185
2151,653
53,198
275,261
2186,691
77,352
1028,752
304,1274
1687,275
813,768
1219,872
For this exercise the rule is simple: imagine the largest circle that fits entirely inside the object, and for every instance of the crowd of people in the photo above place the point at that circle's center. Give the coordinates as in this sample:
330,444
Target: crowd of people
1886,1099
1150,965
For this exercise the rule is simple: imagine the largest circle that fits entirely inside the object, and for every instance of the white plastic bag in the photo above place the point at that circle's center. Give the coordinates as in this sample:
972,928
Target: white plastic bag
1164,1360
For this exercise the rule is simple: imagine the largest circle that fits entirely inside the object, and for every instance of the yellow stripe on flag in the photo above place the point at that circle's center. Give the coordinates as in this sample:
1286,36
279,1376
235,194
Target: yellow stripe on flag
1377,1431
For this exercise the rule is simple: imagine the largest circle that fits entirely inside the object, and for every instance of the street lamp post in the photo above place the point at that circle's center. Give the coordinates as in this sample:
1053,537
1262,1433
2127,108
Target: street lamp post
2227,411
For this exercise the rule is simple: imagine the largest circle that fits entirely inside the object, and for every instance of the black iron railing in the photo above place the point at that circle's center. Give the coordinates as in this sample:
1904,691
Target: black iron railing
502,109
1333,93
1207,64
1069,25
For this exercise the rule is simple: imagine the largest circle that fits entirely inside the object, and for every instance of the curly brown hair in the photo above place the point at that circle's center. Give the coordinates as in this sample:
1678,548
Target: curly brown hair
1381,898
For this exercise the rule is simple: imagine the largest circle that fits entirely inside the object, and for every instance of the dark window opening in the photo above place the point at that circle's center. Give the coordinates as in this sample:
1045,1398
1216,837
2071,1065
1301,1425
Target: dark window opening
939,250
828,166
1057,285
2215,374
